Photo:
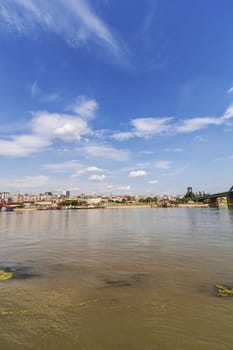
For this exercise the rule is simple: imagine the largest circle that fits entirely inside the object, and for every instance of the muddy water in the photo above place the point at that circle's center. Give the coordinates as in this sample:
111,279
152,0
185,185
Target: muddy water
129,279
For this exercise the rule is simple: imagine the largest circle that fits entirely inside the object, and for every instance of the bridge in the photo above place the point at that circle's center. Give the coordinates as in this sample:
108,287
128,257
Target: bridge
213,199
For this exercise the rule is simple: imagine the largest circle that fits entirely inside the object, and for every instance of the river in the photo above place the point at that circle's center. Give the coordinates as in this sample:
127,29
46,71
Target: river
116,279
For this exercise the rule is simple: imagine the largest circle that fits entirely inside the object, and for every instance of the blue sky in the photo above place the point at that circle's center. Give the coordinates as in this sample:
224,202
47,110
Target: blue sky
116,96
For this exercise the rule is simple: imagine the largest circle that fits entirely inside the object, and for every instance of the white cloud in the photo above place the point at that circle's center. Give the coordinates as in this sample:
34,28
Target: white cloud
30,182
229,128
74,20
224,158
74,189
35,90
63,167
144,127
103,151
147,127
51,97
93,169
228,113
163,164
146,152
150,126
123,136
23,145
63,126
97,178
153,182
230,90
138,173
178,171
200,138
124,188
91,24
45,128
175,150
194,124
83,107
89,169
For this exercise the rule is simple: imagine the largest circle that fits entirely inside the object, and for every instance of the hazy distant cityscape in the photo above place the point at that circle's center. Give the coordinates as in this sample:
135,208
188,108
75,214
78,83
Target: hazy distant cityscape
66,200
48,198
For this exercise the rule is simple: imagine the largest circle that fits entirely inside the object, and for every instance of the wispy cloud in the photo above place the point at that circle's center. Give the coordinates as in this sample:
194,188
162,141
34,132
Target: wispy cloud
35,90
174,150
146,152
149,18
26,184
163,164
226,157
123,136
106,151
153,182
97,178
63,167
178,171
84,107
74,20
194,124
228,113
230,90
89,169
200,138
55,96
138,173
30,182
148,127
124,188
144,127
23,145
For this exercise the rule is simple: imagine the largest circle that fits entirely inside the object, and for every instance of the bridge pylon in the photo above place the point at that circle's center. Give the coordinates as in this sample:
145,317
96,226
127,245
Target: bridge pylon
230,198
213,202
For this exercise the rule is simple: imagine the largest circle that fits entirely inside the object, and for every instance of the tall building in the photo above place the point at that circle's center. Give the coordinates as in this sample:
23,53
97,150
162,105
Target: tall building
189,190
67,194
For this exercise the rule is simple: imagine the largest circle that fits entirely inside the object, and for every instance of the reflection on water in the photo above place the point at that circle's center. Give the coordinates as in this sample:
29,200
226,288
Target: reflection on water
133,279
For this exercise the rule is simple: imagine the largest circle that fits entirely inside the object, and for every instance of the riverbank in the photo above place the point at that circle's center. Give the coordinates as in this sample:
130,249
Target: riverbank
184,205
123,206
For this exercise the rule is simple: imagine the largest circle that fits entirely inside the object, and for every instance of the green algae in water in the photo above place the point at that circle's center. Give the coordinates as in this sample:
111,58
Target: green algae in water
4,275
224,291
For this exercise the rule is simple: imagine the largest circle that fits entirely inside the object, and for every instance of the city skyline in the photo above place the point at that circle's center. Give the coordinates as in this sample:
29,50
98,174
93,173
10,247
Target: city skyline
116,97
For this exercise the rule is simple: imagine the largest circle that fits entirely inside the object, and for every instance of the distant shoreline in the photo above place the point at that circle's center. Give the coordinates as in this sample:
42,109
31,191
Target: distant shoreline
157,207
124,206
